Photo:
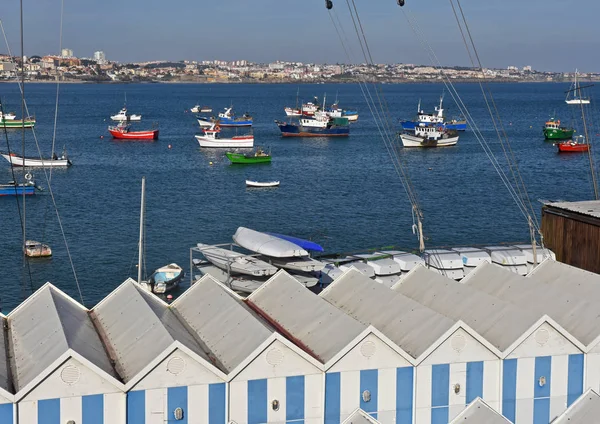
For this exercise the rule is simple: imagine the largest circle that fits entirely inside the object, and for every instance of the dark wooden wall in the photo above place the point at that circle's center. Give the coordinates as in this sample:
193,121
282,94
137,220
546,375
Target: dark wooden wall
574,238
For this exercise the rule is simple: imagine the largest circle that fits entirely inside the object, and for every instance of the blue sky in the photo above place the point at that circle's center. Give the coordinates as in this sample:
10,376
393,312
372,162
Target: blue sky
547,34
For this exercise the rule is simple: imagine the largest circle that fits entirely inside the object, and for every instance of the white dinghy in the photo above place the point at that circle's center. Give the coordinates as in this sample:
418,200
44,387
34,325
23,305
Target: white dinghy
250,183
266,244
236,262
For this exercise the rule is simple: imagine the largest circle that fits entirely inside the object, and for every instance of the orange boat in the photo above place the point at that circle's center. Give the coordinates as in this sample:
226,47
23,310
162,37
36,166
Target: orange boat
123,132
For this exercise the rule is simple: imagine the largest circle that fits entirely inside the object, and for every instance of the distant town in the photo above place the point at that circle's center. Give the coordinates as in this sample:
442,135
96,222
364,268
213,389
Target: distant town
98,69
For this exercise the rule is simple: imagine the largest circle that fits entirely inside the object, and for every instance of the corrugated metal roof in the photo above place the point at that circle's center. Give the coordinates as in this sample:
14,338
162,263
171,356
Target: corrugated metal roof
225,325
579,317
584,410
5,380
587,207
583,283
44,328
138,327
478,412
309,320
499,322
410,325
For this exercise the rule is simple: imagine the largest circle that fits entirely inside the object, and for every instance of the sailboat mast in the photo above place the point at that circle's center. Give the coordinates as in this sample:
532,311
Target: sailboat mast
141,245
23,119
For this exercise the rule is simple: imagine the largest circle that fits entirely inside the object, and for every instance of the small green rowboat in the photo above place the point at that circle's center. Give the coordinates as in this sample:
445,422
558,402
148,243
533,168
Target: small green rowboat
258,156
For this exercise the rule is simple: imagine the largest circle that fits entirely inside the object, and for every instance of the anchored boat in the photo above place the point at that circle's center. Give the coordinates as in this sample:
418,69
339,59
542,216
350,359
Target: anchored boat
35,249
123,132
212,138
250,183
166,278
575,92
14,189
321,125
9,120
573,146
228,119
437,117
201,109
258,156
553,131
30,162
429,136
123,116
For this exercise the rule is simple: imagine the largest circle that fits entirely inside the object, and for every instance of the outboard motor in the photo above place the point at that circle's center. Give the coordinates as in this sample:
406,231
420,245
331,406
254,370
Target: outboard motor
329,4
400,3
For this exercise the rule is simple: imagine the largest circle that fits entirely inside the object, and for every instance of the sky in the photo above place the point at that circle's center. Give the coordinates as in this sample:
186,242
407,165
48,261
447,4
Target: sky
549,35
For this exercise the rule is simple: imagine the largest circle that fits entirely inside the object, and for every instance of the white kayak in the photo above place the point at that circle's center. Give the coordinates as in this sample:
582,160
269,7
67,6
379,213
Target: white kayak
266,244
251,183
237,262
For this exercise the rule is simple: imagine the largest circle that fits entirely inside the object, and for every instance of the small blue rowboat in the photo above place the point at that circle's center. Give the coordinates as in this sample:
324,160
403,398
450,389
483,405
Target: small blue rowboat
16,190
305,244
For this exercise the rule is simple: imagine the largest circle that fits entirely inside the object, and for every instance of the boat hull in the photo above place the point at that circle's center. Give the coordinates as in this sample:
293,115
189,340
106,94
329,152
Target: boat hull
226,122
134,135
126,118
557,134
572,147
229,260
414,141
36,163
29,123
16,190
456,126
261,184
234,142
294,130
577,102
266,244
238,158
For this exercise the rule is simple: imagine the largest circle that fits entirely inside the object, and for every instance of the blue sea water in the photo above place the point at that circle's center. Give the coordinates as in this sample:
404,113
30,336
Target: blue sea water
341,193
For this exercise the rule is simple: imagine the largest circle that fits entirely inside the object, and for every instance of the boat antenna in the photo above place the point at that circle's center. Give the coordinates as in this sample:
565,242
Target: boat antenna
141,242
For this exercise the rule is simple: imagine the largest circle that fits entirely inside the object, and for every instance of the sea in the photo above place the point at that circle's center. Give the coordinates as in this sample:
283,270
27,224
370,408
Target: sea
342,193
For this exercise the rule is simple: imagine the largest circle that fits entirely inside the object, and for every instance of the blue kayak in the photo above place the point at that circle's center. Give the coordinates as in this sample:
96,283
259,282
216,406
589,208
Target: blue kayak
305,244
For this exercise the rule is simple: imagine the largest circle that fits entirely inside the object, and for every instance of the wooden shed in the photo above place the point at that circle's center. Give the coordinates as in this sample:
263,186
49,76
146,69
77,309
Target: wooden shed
572,231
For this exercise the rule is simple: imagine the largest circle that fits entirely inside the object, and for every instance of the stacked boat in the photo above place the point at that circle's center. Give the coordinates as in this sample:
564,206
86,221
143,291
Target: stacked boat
267,253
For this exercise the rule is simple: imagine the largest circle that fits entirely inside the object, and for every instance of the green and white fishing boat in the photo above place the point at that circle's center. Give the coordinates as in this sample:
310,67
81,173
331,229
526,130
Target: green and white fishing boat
553,131
8,120
258,156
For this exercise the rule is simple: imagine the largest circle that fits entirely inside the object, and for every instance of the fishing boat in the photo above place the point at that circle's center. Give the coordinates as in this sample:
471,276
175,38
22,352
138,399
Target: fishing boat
35,249
553,131
266,244
201,109
574,96
206,122
14,189
573,146
212,138
236,262
258,156
321,125
228,119
123,116
429,136
437,117
351,115
30,162
123,132
258,184
166,278
310,108
292,112
9,121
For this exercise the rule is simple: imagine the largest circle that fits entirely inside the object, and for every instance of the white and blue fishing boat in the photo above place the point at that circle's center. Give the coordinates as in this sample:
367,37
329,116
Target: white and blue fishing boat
14,189
228,119
321,125
437,117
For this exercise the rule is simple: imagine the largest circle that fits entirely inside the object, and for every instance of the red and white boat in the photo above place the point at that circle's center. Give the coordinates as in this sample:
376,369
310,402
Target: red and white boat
212,138
292,112
123,132
572,146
